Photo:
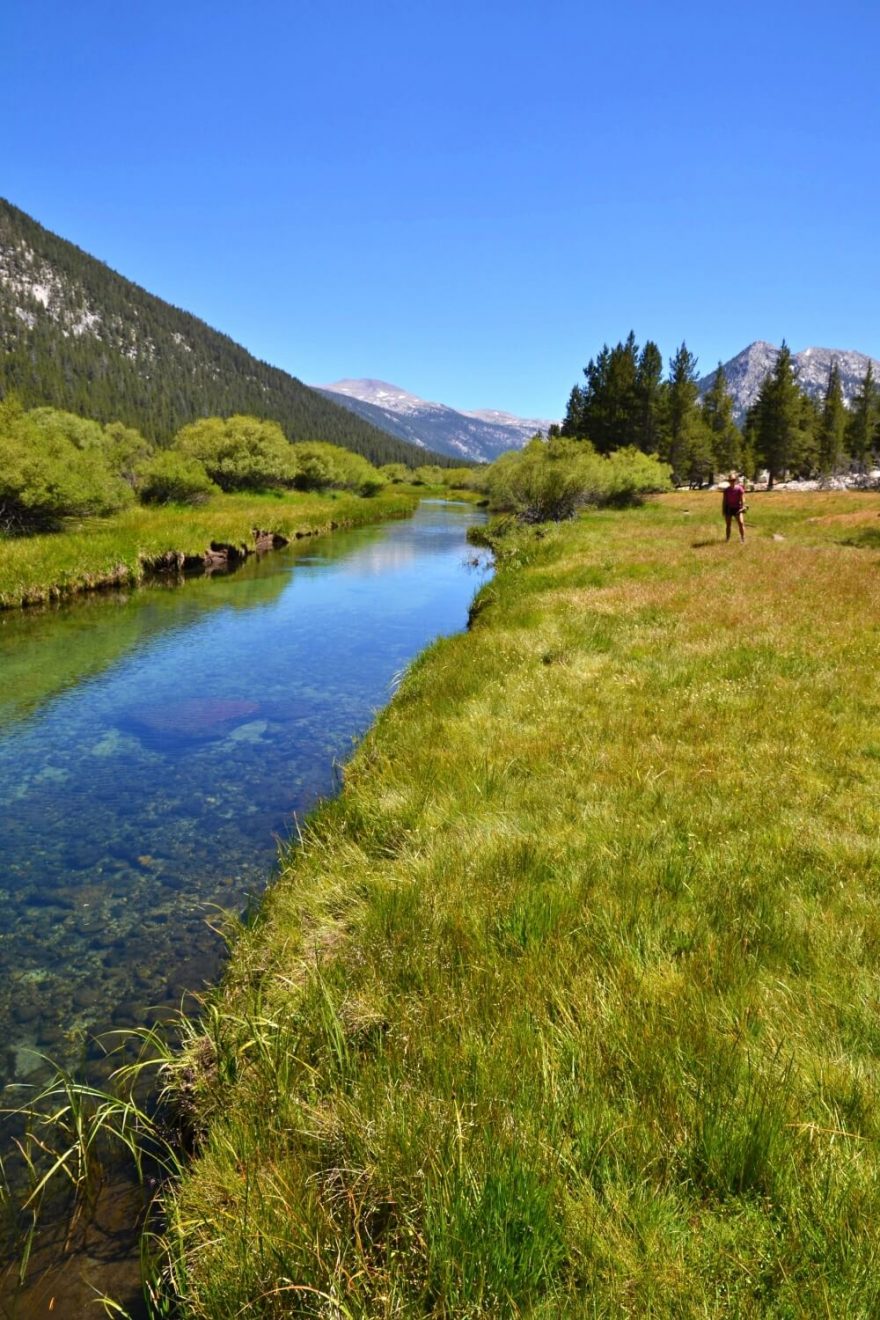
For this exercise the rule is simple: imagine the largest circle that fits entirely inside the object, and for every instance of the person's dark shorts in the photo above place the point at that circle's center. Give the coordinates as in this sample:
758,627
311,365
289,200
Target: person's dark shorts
732,513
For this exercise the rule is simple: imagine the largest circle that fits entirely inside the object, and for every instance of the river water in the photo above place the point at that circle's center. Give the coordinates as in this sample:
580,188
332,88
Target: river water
156,746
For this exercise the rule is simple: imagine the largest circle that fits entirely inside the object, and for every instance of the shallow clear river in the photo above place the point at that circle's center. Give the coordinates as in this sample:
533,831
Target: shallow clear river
155,747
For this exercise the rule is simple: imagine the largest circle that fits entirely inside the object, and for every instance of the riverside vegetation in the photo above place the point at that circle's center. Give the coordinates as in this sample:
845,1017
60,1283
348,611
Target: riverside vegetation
84,505
567,1004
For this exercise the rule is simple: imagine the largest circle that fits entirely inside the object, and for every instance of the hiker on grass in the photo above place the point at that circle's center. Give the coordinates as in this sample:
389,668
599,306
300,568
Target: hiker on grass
733,503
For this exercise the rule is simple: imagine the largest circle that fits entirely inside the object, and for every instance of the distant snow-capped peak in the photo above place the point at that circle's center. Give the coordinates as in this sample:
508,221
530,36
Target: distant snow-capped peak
746,372
480,435
379,393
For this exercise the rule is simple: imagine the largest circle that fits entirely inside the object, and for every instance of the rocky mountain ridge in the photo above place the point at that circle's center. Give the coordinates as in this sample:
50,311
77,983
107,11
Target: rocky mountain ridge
746,372
481,435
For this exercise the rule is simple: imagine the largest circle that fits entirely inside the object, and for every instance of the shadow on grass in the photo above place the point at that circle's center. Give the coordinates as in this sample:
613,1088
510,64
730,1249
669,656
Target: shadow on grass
869,539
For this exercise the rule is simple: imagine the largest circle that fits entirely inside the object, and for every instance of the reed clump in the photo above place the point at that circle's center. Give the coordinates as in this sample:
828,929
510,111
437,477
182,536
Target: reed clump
568,1005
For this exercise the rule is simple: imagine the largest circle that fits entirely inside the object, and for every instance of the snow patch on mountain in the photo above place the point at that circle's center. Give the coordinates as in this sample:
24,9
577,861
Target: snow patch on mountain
40,292
746,372
480,435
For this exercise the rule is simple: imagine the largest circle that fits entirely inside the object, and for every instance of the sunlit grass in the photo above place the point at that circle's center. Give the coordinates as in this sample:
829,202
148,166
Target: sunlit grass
569,1005
116,551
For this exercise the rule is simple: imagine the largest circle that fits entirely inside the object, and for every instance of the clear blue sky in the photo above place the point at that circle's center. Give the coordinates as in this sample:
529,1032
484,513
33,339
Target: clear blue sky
466,199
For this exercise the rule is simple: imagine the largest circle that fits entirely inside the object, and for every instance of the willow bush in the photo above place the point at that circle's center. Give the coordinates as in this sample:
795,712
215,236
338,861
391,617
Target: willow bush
46,476
550,480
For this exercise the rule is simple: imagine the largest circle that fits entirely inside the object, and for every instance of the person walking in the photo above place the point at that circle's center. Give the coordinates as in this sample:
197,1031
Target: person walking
733,503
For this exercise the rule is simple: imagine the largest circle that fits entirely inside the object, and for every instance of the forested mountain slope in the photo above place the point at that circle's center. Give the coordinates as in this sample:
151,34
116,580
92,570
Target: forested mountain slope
77,335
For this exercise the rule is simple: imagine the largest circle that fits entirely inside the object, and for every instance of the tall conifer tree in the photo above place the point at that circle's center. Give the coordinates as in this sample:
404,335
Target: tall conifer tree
718,416
682,393
605,410
649,399
832,425
775,418
573,423
863,427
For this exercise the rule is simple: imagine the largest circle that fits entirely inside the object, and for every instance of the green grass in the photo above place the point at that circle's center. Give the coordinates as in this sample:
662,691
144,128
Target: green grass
568,1006
116,551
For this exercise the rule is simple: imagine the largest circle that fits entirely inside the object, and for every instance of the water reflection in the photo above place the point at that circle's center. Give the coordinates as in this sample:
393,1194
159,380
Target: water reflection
154,747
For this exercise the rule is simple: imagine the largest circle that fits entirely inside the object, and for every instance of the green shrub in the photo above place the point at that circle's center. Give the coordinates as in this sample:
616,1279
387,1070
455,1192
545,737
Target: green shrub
173,478
428,475
321,466
126,451
81,432
239,453
45,476
357,473
396,473
370,484
630,475
122,448
465,478
315,469
548,481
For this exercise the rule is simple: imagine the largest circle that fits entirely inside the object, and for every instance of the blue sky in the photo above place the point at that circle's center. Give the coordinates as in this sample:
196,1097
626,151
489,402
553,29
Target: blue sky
466,199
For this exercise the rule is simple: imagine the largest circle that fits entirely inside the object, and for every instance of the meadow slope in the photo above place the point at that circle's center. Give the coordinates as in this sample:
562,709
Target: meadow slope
568,1005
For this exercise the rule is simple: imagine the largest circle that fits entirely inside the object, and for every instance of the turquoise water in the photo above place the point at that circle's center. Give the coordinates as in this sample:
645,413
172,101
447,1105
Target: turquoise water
155,747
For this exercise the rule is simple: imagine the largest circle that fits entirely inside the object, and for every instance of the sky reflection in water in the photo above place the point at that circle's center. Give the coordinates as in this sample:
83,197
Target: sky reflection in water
153,749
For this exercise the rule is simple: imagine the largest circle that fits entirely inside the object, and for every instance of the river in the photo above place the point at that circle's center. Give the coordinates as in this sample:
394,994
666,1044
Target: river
155,746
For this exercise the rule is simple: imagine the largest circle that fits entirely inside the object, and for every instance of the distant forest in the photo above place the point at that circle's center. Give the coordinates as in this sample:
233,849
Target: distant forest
95,344
625,400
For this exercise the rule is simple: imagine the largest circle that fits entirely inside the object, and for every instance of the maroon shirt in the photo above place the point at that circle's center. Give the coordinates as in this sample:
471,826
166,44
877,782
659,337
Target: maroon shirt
734,498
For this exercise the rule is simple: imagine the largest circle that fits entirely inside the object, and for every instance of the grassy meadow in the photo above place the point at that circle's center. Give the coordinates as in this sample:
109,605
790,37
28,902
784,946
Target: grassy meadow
116,550
569,1005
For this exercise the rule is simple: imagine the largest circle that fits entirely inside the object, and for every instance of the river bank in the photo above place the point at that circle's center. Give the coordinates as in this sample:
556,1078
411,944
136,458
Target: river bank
566,1005
154,746
130,547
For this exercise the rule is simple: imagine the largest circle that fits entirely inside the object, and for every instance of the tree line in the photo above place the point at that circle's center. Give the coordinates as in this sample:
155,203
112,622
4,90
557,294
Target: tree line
626,401
56,465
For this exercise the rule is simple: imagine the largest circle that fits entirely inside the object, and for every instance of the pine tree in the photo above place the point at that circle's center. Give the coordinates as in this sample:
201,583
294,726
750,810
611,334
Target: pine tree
805,456
832,424
574,424
863,427
774,422
681,395
649,399
727,441
604,410
699,450
623,370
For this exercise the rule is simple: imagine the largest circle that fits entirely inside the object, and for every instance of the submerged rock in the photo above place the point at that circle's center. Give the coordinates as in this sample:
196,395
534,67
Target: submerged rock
194,720
51,774
251,732
289,711
112,744
26,1059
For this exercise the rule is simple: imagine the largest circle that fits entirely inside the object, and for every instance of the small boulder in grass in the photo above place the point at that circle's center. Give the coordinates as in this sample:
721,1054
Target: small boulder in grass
777,536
